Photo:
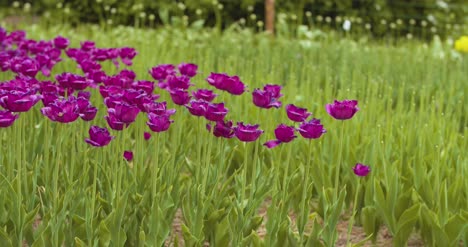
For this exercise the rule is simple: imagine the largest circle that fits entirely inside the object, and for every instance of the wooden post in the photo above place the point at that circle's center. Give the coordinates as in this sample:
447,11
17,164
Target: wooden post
270,16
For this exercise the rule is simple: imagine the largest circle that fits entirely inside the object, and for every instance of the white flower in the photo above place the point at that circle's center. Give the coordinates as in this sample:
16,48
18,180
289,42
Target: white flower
347,25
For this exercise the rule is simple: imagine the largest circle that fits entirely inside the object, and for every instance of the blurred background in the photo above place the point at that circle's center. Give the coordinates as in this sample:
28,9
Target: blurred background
410,19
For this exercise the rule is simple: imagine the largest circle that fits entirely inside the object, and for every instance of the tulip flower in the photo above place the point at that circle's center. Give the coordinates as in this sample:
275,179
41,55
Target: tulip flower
159,123
222,129
7,118
61,42
161,71
361,170
297,114
18,100
147,135
197,107
312,129
188,69
248,132
204,94
99,137
215,112
179,96
268,97
342,110
128,155
283,133
62,110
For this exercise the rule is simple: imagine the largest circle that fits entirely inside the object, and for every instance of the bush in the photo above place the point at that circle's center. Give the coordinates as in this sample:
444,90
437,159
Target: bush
399,17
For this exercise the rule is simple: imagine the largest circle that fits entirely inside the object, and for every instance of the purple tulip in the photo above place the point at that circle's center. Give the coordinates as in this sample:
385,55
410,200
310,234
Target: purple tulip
159,123
204,94
197,107
361,170
7,118
147,135
128,155
297,114
115,123
61,42
127,54
178,82
215,112
88,45
147,86
159,108
283,133
99,137
69,80
62,110
342,110
124,112
268,97
161,71
222,81
247,133
179,96
274,90
312,129
222,129
86,110
188,69
18,101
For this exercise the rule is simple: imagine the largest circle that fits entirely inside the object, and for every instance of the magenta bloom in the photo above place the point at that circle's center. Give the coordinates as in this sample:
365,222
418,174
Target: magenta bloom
342,110
247,133
128,155
268,97
222,81
18,101
159,123
158,108
222,129
124,112
216,112
86,110
297,114
283,133
7,118
180,82
147,135
99,137
312,129
69,80
161,71
204,94
61,42
188,69
197,107
62,110
127,54
361,170
179,96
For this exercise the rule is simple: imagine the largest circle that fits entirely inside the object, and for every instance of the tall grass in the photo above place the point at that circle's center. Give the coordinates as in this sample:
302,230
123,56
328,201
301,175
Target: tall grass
410,129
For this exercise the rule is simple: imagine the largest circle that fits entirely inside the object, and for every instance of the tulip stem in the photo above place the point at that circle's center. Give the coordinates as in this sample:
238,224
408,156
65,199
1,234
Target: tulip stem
20,160
338,167
155,169
304,209
351,220
285,175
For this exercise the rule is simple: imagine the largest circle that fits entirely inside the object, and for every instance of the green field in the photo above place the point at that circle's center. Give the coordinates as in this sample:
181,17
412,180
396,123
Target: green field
56,190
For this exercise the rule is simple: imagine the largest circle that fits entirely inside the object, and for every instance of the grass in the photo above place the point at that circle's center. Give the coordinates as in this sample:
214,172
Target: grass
410,130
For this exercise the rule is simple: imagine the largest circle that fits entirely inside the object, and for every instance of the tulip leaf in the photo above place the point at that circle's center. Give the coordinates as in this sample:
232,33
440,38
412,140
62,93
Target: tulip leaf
4,239
456,226
406,224
362,242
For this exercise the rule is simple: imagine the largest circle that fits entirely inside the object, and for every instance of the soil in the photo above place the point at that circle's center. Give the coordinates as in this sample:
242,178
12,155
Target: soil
384,238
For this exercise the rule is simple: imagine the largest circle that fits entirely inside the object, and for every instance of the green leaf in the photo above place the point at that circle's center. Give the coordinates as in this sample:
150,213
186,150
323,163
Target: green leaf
79,242
406,224
382,206
4,239
362,242
456,226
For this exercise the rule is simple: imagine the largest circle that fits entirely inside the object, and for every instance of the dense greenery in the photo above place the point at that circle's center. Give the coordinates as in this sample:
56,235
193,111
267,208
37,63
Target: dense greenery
421,18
